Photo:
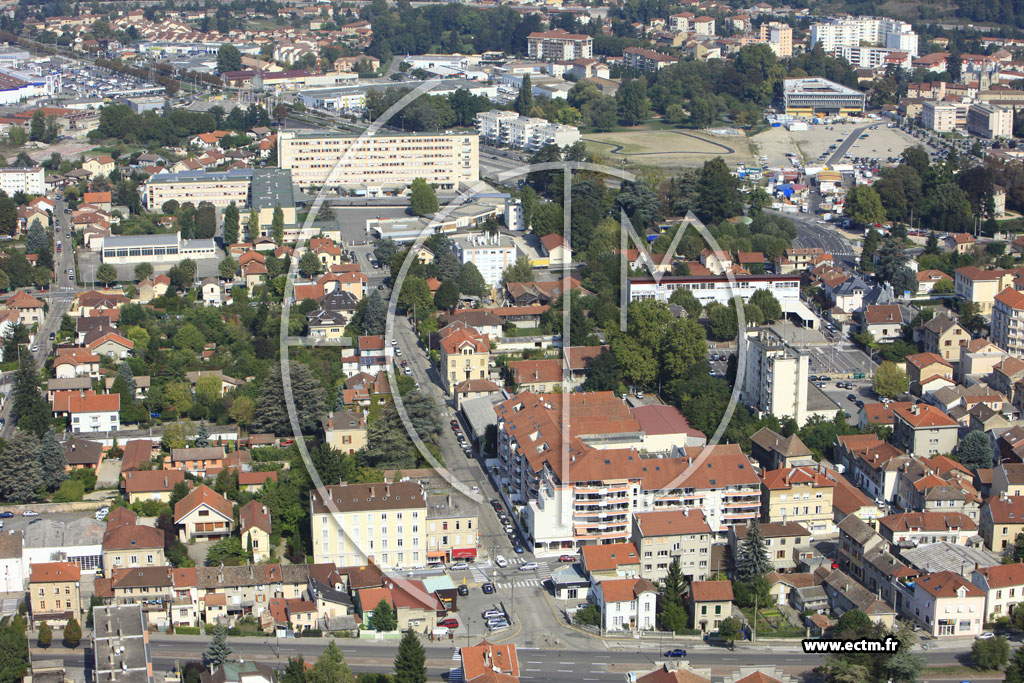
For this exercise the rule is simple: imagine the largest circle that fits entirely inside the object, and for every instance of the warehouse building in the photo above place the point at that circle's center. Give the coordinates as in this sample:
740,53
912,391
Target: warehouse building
812,96
155,249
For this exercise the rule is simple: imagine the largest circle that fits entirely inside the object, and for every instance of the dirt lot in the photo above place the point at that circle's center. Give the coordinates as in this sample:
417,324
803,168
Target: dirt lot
775,143
668,147
68,149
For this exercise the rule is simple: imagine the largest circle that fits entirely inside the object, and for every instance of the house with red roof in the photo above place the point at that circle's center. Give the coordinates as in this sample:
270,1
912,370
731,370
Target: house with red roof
29,309
1003,585
88,412
203,515
489,663
556,249
924,430
76,362
948,605
710,602
626,604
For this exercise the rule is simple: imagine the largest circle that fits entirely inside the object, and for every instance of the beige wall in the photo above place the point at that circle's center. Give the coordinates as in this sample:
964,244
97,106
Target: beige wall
805,504
462,366
657,552
260,543
707,616
136,557
461,532
353,545
219,192
58,596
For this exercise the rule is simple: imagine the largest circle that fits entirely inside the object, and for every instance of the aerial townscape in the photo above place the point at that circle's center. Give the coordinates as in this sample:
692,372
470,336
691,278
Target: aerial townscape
491,342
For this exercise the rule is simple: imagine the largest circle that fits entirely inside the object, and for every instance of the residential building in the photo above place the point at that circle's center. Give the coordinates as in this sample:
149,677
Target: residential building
452,528
923,367
927,527
980,286
558,45
382,522
89,412
610,561
787,543
802,495
151,484
1001,521
845,594
873,464
989,121
779,38
29,308
1007,328
444,161
710,602
129,545
775,381
772,451
642,59
716,288
938,116
489,663
856,539
255,528
539,376
1003,585
527,133
626,604
924,430
883,322
491,254
883,31
345,430
203,515
465,355
220,188
53,591
28,180
162,249
947,604
810,96
664,535
1008,478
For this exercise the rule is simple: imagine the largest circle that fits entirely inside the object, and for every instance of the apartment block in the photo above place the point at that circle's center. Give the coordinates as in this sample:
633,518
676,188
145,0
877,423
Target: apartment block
1007,328
453,528
380,162
779,38
1003,585
927,527
882,31
53,591
558,45
989,121
800,494
1002,520
664,535
27,180
938,116
775,381
642,59
946,604
382,522
527,133
465,355
945,337
220,188
924,430
981,286
491,254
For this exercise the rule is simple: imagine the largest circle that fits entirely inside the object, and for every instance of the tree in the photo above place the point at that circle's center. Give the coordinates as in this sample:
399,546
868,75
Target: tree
447,295
471,282
954,65
752,561
277,225
13,650
975,451
143,271
423,198
970,317
520,271
632,101
990,653
385,249
310,265
383,618
719,195
864,206
931,246
524,100
37,126
17,136
686,299
729,629
231,218
330,667
242,410
229,58
30,410
890,381
769,305
722,322
72,633
202,435
673,585
107,274
410,663
271,414
228,268
51,460
218,650
45,636
253,226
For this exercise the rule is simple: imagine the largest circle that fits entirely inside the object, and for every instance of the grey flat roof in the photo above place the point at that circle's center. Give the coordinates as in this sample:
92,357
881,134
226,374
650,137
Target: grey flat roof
201,176
479,412
938,557
120,645
50,533
163,240
272,186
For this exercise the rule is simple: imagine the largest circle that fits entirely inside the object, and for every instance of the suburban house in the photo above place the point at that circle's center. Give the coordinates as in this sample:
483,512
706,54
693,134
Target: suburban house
626,604
53,590
203,515
143,485
787,543
255,529
710,602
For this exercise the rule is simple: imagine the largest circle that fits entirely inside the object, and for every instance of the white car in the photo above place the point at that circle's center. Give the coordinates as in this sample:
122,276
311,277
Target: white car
29,513
528,566
986,636
500,561
398,351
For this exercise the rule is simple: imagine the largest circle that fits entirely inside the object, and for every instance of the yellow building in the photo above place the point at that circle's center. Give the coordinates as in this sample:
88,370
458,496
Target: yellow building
453,528
1002,520
981,286
799,494
255,528
385,522
345,431
465,354
53,590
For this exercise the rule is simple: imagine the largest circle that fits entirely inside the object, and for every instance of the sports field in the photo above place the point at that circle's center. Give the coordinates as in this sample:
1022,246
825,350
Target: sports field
668,147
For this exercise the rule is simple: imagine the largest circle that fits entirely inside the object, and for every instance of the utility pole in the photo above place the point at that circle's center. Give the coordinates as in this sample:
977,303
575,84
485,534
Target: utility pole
753,634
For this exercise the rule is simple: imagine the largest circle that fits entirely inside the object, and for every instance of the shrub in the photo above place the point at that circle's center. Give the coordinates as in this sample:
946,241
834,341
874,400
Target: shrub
187,630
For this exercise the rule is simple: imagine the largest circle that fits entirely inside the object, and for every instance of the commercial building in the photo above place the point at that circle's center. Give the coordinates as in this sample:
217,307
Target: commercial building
491,254
947,604
716,288
523,132
383,522
989,121
883,32
166,249
775,381
811,96
272,188
378,163
453,528
558,45
27,180
938,116
120,645
778,36
219,188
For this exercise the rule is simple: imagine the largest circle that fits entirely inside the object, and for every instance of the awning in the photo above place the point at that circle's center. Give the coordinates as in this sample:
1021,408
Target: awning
463,553
435,554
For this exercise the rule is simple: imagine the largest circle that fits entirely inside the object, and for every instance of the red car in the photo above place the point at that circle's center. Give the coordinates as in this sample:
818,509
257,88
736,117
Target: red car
450,622
567,558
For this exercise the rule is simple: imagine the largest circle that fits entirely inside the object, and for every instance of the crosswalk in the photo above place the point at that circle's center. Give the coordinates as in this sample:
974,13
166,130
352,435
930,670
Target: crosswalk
530,579
479,574
455,672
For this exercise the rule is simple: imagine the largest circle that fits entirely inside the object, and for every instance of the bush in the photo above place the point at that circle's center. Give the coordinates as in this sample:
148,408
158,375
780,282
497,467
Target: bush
588,615
311,633
187,630
70,491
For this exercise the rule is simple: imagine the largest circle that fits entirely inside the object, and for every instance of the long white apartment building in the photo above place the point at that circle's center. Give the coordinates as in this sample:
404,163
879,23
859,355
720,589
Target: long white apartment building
380,162
219,188
559,45
523,132
491,254
868,57
615,463
27,180
989,121
775,378
853,31
716,288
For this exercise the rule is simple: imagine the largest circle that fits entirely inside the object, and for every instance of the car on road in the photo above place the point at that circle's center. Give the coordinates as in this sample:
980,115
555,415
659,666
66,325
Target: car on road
851,397
678,652
398,352
487,588
500,561
567,558
394,342
407,370
986,636
519,550
450,622
528,566
6,515
29,513
463,589
460,566
497,625
35,347
53,335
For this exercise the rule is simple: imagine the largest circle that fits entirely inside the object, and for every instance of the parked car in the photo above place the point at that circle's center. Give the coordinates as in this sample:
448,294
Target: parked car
458,566
567,558
678,652
450,622
519,550
6,515
528,566
29,513
493,614
500,561
463,589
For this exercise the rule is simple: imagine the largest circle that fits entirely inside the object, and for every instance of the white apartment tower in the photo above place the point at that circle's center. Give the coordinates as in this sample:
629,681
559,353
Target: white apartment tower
775,381
853,31
523,132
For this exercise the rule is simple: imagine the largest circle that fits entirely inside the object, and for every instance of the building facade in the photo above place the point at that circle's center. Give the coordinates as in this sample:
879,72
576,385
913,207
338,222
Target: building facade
775,380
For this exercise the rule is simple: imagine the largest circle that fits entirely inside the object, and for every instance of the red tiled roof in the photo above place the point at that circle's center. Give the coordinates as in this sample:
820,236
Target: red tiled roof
203,495
711,591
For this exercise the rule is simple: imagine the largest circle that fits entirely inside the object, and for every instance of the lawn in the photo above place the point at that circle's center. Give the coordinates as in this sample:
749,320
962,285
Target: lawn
771,623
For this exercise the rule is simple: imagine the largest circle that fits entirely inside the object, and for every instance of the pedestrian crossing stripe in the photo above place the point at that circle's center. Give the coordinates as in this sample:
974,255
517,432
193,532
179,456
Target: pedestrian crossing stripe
455,672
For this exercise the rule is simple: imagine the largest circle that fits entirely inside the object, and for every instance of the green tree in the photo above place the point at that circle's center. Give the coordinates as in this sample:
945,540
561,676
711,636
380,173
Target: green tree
19,459
686,299
471,282
752,555
72,633
1015,668
143,271
51,460
975,450
410,663
375,312
231,219
310,265
383,618
37,126
330,667
253,226
17,136
719,195
229,58
632,101
729,629
932,244
769,305
524,100
30,410
864,206
415,298
423,198
218,651
854,623
890,380
990,653
520,271
447,295
107,274
45,636
277,225
722,322
271,414
227,268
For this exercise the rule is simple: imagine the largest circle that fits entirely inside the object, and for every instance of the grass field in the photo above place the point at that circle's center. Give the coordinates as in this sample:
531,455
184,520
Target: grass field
667,147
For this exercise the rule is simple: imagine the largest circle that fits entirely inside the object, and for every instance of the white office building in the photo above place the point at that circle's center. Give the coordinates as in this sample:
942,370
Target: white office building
775,381
854,31
27,180
156,249
989,121
523,132
716,288
491,254
938,116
